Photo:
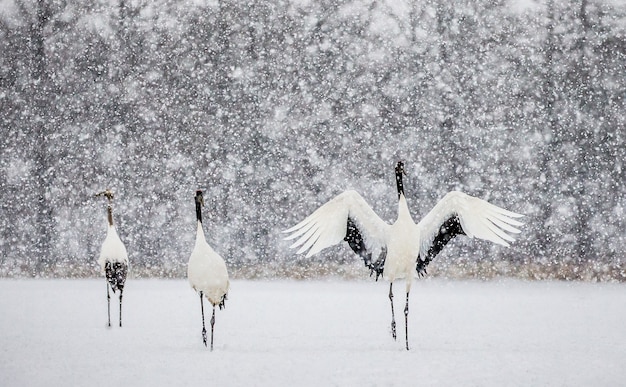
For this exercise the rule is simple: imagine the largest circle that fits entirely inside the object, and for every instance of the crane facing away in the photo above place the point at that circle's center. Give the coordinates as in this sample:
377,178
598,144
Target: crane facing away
207,271
113,258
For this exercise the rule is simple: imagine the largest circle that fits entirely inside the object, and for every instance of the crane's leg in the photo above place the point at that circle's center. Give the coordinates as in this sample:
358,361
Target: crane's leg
203,328
393,318
108,304
121,291
406,321
212,325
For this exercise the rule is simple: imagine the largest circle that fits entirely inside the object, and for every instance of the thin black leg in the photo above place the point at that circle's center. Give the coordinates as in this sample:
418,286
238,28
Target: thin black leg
121,291
393,318
212,325
203,328
406,321
108,304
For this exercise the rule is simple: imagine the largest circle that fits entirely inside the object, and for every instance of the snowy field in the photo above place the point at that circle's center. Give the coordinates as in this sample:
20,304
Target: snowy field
287,333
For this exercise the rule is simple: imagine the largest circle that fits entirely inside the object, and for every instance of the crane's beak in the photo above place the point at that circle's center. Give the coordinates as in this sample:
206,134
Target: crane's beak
106,193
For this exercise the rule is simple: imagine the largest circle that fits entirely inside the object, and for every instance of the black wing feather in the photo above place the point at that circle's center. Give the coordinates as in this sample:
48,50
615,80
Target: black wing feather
355,240
448,230
116,274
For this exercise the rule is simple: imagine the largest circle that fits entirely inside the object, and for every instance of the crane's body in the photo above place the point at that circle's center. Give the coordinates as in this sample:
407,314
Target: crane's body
113,259
403,249
206,271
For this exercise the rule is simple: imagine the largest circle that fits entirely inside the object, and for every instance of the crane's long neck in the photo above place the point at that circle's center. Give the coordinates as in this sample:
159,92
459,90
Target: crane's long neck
403,209
200,239
199,211
399,183
110,214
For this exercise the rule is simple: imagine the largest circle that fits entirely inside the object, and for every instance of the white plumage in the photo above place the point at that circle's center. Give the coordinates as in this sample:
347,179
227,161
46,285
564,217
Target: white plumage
113,258
113,249
207,271
404,248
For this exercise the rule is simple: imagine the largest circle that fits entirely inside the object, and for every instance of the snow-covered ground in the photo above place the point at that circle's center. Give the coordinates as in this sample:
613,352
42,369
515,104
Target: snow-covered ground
287,333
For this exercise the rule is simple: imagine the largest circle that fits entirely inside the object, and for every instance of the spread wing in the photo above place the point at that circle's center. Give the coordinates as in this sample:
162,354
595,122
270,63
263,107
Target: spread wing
461,214
346,217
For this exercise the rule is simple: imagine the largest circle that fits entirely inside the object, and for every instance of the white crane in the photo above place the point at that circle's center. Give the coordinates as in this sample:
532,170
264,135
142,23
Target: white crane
403,247
207,271
113,258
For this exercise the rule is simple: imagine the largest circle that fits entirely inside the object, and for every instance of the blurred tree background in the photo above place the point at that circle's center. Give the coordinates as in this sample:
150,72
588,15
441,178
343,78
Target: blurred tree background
274,107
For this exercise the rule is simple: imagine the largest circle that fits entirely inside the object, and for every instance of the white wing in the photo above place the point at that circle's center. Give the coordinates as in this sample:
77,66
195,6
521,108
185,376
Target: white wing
476,217
328,225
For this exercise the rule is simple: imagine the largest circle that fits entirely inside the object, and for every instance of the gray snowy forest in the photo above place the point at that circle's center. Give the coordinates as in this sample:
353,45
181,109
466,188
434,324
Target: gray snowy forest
275,106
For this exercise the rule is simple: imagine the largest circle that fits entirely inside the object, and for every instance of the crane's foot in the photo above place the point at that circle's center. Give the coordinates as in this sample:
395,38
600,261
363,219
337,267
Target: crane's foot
393,329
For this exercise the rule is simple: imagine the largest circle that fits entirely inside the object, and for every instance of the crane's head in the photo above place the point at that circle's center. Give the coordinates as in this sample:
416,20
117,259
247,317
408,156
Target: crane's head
199,198
400,168
107,194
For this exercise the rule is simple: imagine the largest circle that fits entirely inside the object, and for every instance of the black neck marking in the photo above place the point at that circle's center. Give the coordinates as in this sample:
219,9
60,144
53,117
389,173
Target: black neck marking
199,203
399,172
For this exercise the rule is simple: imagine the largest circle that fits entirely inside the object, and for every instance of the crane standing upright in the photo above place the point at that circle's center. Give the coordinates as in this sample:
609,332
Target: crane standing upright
207,271
113,258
